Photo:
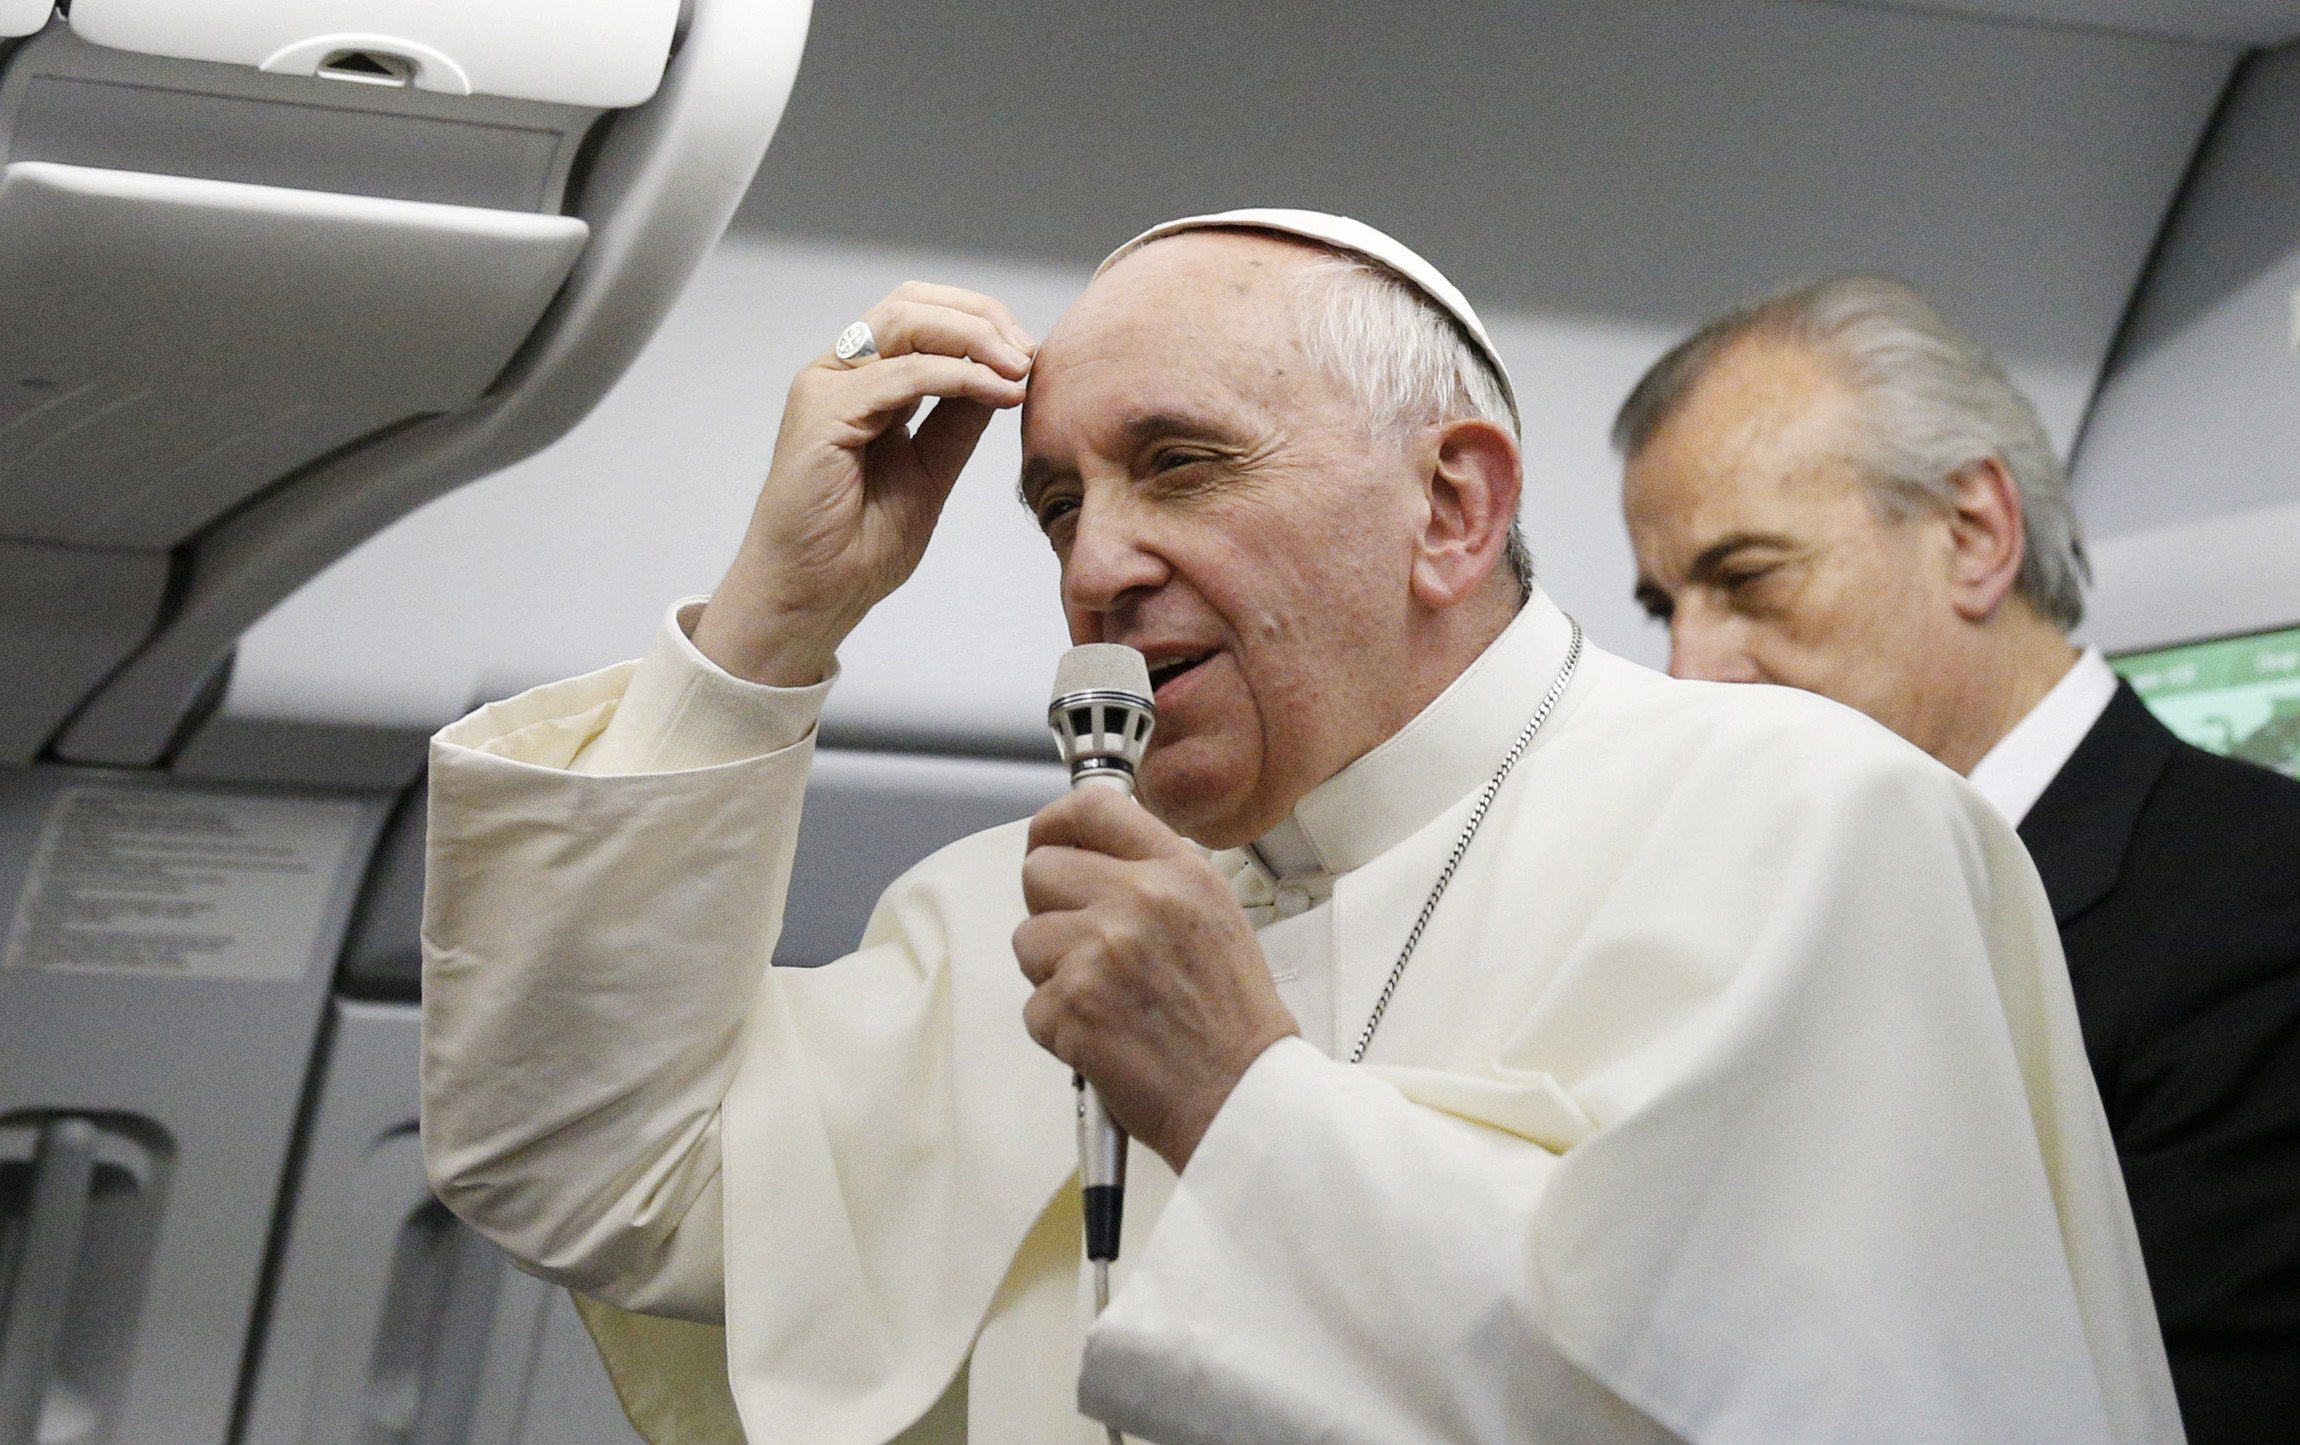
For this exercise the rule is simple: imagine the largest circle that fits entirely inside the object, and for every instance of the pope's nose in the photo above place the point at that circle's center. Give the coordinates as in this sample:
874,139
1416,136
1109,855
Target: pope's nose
1110,558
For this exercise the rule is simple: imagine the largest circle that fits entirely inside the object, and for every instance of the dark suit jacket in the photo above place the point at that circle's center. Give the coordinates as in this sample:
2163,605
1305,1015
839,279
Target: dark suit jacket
2175,878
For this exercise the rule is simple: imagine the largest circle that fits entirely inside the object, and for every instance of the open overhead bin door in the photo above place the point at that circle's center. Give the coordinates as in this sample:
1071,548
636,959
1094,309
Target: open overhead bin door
279,272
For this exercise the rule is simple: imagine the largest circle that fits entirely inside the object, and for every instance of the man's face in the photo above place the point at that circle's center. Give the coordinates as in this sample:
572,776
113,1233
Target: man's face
1217,503
1757,543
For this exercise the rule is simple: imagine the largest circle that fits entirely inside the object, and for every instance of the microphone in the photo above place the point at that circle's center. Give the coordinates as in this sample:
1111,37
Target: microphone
1101,717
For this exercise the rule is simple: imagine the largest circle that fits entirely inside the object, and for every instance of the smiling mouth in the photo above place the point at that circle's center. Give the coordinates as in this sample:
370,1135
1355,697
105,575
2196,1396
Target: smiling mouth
1165,672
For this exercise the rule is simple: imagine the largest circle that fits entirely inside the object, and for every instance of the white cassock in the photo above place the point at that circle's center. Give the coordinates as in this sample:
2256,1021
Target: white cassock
1733,1094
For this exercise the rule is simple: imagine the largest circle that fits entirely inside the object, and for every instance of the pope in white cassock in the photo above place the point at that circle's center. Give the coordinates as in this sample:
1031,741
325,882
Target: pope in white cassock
1732,1091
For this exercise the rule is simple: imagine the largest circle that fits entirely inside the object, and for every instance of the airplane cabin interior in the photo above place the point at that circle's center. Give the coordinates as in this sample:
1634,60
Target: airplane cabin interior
363,361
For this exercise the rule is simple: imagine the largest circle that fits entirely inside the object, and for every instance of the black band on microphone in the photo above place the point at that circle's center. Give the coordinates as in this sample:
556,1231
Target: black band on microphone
1105,1211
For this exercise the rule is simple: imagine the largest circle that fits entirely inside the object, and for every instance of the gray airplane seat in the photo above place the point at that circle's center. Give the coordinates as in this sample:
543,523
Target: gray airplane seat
277,273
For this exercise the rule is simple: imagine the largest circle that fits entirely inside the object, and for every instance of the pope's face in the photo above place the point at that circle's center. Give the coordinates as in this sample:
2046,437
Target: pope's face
1217,503
1757,543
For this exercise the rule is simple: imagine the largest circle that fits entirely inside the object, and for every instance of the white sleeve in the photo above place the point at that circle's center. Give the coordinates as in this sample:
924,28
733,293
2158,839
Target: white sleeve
608,862
681,710
612,1068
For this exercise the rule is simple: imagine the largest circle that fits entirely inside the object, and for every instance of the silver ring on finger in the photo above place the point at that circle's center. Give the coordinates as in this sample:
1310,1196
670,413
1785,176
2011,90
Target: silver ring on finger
856,345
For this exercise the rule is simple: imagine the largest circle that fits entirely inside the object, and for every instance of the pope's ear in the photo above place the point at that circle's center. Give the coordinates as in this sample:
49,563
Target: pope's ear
1471,486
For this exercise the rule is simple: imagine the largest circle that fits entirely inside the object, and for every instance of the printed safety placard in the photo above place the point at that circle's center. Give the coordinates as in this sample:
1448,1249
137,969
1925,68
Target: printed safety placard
186,883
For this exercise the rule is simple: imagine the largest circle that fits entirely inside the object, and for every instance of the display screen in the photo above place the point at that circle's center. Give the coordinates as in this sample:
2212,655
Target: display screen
2238,696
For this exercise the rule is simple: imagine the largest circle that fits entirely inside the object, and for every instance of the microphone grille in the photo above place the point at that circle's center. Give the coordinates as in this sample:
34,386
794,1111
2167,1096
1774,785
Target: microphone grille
1102,667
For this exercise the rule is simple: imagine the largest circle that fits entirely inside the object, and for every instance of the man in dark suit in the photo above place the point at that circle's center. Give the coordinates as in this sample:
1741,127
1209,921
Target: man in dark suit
1834,489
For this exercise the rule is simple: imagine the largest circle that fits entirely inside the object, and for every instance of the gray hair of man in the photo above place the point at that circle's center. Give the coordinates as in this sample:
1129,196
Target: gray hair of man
1407,360
1933,404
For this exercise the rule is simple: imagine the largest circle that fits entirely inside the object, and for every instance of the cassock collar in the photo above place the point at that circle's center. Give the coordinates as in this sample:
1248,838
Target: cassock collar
1450,747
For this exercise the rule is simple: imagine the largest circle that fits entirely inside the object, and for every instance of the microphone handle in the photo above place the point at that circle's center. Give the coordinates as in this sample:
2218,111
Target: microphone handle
1101,1173
1101,1143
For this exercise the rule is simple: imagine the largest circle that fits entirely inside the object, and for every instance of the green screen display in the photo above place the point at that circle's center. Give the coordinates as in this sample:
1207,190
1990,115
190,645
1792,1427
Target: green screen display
2239,696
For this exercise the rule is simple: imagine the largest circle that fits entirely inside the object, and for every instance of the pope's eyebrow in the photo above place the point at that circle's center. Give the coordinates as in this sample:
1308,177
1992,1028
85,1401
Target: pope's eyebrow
1153,426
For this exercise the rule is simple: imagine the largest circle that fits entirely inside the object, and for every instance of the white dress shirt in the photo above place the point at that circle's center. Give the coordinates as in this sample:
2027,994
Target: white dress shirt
2015,772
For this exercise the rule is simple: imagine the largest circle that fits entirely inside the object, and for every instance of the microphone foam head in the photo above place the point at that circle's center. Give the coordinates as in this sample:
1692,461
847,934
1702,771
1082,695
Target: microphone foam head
1103,667
1102,712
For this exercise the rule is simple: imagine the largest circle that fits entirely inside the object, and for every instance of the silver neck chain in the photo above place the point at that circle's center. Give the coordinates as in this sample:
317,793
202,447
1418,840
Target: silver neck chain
1477,814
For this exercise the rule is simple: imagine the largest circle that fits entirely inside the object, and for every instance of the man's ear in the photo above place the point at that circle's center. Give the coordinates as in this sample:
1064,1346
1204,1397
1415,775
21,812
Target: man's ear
1472,489
1986,537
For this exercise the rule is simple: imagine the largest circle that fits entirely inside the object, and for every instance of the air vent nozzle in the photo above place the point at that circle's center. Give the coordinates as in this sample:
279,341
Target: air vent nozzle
368,67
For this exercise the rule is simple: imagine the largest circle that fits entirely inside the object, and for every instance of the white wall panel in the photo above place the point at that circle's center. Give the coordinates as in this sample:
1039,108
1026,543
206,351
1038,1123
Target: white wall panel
2234,573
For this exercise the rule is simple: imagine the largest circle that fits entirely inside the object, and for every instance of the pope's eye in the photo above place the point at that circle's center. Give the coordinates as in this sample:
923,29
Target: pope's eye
1053,510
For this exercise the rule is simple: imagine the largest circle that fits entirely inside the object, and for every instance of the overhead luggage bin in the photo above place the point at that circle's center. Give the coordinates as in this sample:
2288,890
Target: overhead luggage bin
606,53
23,17
265,325
264,308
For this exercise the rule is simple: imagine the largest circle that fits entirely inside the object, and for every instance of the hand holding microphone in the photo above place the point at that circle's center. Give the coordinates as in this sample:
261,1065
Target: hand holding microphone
1148,979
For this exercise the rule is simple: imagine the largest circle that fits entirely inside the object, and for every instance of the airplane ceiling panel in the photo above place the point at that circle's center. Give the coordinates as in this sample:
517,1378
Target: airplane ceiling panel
1619,160
2240,22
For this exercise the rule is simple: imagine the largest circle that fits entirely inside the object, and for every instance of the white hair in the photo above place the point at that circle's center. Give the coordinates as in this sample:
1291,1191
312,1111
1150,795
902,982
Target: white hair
1933,404
1406,359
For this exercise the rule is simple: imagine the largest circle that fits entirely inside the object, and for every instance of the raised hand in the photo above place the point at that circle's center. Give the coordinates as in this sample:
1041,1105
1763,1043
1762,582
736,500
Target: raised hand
853,493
